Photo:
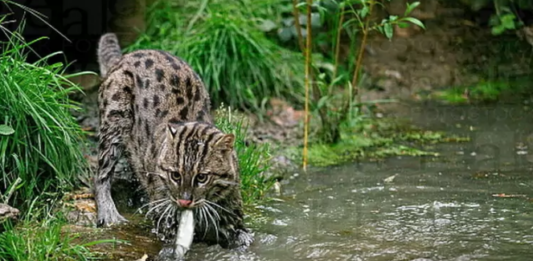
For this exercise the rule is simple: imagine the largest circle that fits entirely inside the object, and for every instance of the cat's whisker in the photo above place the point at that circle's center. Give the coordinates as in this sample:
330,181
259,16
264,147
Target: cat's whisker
156,207
171,214
213,210
215,223
217,205
162,215
152,203
204,220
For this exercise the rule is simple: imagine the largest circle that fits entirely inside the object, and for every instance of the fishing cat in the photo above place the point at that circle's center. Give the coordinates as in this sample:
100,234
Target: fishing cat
155,110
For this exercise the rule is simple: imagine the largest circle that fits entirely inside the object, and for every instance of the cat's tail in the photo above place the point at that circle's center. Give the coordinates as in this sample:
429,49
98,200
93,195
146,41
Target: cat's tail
109,52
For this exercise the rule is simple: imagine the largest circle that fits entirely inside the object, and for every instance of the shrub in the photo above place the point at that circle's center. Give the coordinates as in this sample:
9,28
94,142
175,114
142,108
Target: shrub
40,144
222,42
253,158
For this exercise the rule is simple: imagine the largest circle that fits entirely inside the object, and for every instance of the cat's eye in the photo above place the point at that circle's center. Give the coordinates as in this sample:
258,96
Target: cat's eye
201,178
175,175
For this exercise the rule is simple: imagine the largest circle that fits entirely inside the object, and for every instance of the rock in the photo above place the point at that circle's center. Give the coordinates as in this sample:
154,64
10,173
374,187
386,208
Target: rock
81,218
80,207
283,114
8,213
386,84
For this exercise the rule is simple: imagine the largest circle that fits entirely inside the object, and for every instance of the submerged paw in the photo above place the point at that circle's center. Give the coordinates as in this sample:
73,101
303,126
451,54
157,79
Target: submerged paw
244,239
167,254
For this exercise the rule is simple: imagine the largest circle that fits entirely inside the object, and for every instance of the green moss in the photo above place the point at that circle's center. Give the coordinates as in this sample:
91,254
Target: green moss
373,139
483,91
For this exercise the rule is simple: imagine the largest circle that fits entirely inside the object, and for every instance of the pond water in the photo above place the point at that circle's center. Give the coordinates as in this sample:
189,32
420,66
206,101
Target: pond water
446,208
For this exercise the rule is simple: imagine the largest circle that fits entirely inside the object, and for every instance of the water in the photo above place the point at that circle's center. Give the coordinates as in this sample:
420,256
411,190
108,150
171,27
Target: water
439,209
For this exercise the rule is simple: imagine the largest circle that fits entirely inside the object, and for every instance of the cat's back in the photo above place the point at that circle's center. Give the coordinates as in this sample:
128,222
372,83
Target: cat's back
164,87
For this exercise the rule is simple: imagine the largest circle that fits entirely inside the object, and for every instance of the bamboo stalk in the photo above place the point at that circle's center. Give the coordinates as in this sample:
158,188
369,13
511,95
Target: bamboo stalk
361,52
308,50
337,44
296,14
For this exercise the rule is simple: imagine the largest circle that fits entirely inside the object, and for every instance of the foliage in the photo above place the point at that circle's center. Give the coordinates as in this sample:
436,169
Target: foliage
476,5
253,158
505,17
222,41
352,17
39,138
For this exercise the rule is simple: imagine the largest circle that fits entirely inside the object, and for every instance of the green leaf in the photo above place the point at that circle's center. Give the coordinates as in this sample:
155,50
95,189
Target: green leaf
497,30
414,21
388,30
267,25
403,24
364,11
322,102
508,21
411,7
494,20
393,18
6,130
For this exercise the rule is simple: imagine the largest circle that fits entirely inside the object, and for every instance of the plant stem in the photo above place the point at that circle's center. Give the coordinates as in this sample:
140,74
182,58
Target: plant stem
308,50
202,8
337,45
296,14
361,53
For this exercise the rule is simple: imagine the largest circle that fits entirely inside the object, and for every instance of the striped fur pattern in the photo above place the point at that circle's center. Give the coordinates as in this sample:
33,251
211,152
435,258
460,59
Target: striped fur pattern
155,108
108,53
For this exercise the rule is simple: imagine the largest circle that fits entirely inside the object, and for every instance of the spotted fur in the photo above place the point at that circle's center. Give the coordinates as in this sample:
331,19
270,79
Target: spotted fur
155,108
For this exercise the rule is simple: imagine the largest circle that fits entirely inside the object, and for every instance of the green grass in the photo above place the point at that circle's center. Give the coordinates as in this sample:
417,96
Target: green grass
42,145
48,239
253,158
240,66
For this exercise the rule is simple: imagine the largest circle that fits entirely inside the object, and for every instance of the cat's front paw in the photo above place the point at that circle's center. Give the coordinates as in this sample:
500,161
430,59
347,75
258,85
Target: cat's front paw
168,254
243,239
109,217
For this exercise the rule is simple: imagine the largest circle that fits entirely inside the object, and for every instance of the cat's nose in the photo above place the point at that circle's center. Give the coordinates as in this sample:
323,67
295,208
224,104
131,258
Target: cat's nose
184,202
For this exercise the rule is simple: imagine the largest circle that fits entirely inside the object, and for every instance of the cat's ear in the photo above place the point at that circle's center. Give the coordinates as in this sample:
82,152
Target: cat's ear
172,130
226,142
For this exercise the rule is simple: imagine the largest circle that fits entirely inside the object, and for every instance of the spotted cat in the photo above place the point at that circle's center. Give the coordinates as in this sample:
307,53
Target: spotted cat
154,109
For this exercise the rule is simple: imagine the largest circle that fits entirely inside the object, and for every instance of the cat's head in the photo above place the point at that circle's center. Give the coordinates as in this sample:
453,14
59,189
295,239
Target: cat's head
197,164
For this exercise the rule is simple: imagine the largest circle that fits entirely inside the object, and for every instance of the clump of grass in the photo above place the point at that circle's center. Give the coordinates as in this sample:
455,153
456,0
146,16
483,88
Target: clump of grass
253,158
240,66
48,239
40,242
41,146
